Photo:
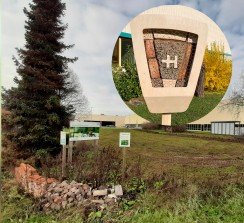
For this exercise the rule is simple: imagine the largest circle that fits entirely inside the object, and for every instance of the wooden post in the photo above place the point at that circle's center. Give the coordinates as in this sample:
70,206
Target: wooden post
120,52
95,142
64,161
199,92
123,162
70,152
166,119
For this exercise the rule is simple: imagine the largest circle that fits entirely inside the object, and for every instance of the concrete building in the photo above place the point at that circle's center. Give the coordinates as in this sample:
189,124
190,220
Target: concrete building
134,121
219,121
113,120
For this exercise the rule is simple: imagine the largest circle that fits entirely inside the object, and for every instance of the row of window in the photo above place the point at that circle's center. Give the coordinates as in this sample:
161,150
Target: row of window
206,127
239,125
199,127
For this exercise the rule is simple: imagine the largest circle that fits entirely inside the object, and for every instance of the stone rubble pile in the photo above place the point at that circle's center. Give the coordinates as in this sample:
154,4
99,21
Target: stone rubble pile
54,195
66,195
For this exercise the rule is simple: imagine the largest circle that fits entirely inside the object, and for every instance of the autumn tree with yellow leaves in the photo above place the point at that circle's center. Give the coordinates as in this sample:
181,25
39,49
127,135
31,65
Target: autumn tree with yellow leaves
218,68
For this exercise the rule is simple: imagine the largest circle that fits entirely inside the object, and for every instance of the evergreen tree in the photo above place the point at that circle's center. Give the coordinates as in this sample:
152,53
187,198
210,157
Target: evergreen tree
37,112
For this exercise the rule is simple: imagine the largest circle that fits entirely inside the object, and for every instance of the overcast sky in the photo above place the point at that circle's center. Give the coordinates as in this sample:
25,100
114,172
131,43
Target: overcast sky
94,26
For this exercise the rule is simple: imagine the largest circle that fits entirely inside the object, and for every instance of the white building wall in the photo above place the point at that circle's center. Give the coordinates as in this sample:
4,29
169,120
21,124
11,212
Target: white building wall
120,121
134,119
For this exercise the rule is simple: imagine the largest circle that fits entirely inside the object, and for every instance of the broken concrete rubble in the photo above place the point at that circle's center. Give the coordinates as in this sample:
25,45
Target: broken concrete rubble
96,193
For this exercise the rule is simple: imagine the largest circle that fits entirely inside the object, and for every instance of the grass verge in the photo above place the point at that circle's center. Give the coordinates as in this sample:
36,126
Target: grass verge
198,108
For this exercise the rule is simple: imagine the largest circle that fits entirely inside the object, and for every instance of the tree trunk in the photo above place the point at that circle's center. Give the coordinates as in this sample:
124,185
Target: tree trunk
200,84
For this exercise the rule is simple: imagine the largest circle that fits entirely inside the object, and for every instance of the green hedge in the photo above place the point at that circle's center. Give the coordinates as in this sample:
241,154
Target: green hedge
126,78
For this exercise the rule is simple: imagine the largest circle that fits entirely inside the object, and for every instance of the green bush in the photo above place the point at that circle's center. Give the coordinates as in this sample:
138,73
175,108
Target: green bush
126,78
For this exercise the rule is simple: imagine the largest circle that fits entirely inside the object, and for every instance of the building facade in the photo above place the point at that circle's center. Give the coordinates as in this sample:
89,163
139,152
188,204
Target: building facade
220,120
114,120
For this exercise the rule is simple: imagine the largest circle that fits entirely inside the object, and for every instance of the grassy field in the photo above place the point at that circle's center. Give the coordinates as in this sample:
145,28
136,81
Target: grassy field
178,178
198,108
180,154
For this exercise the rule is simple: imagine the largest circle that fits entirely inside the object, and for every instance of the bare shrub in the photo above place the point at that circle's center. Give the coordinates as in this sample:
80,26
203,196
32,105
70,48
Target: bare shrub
91,164
178,128
134,169
150,126
107,165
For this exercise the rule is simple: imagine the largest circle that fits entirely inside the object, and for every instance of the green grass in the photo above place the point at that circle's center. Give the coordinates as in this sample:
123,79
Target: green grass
150,207
229,208
179,155
206,176
17,207
198,108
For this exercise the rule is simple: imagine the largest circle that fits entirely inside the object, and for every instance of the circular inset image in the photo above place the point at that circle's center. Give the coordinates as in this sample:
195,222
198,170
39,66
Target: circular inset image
171,65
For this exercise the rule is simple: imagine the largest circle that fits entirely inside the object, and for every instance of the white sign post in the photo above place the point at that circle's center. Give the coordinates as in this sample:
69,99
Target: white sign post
62,138
170,97
124,139
63,143
80,131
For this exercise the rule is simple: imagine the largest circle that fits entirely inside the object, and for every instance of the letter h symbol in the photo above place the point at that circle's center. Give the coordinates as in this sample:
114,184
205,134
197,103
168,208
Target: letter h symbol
168,61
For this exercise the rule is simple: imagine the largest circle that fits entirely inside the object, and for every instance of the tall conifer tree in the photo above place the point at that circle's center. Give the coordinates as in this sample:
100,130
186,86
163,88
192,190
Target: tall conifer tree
37,112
